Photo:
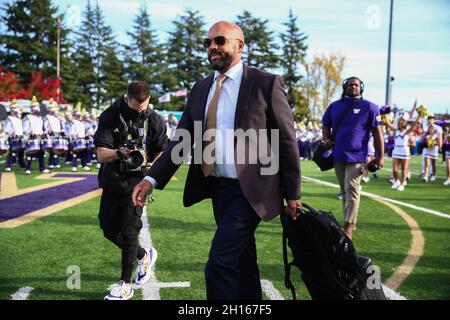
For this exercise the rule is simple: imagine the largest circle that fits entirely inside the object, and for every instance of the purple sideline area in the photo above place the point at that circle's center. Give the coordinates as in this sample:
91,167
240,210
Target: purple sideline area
17,206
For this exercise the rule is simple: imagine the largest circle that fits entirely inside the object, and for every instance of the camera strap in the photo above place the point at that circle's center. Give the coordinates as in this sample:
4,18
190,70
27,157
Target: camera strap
146,124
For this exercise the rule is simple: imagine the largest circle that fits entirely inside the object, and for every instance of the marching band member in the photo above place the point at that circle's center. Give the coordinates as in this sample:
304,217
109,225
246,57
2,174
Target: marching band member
67,127
33,128
78,135
89,129
53,128
94,124
13,129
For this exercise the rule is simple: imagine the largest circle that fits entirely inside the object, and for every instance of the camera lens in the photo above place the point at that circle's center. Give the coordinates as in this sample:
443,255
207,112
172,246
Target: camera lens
372,167
135,159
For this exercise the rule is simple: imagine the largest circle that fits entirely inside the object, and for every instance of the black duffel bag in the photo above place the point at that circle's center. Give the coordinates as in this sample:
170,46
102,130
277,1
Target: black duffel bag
323,157
327,259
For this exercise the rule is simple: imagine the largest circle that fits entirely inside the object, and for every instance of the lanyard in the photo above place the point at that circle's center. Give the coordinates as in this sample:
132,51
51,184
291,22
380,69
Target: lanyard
146,124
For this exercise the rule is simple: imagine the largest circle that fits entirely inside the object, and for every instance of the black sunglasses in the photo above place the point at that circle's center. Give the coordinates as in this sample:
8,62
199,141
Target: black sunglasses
219,40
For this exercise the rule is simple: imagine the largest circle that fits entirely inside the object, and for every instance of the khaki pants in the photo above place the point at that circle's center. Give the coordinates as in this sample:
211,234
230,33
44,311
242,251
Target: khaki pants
349,177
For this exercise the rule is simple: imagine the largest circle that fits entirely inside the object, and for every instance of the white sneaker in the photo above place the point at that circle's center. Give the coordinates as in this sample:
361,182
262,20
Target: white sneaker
447,182
98,165
433,178
74,169
366,179
401,188
121,291
51,166
425,179
27,172
45,171
395,185
86,168
145,265
58,166
8,169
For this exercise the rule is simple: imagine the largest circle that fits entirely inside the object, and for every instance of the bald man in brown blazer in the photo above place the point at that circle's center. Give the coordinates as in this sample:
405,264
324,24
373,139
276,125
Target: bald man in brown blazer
247,175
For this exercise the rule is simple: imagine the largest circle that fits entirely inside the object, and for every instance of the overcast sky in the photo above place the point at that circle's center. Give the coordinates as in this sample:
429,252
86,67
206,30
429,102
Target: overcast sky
357,29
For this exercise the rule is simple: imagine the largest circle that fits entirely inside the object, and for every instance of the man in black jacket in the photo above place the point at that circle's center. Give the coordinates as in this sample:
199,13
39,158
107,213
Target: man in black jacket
130,136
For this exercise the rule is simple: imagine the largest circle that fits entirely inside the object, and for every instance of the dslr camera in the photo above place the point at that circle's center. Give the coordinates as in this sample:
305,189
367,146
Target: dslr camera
372,167
136,159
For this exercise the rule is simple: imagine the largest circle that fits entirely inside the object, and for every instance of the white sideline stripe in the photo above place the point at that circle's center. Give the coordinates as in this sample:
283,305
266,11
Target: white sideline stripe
391,294
271,292
150,290
371,195
185,284
22,294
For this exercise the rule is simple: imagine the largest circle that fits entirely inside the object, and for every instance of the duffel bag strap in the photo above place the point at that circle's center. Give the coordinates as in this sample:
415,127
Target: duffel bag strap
287,267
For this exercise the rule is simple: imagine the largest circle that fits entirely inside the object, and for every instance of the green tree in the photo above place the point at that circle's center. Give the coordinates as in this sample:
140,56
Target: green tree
29,38
260,50
324,78
186,56
293,52
114,80
98,65
84,55
143,56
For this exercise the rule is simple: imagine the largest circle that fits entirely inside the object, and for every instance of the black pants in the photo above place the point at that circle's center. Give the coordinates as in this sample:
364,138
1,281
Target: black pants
121,222
232,271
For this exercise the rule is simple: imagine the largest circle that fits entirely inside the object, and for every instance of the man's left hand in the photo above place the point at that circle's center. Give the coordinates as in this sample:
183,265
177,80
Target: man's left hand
292,208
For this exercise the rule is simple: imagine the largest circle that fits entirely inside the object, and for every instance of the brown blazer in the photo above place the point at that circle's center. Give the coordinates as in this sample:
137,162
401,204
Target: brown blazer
261,104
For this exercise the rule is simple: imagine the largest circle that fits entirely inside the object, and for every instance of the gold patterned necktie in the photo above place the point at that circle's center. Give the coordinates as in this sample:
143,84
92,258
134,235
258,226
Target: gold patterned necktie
211,122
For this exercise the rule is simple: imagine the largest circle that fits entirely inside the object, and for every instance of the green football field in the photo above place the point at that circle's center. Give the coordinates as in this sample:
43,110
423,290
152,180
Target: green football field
44,253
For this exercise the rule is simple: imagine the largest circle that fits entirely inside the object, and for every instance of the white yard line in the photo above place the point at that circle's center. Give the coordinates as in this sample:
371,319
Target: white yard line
150,290
22,294
271,292
368,194
391,294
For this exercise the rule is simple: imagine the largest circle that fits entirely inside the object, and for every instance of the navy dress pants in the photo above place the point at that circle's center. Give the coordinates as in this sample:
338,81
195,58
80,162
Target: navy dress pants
232,271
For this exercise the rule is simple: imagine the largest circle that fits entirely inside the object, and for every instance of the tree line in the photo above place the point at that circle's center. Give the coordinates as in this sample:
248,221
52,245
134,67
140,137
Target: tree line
95,68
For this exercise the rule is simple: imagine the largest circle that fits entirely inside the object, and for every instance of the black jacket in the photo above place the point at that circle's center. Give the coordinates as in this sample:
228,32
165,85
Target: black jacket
111,133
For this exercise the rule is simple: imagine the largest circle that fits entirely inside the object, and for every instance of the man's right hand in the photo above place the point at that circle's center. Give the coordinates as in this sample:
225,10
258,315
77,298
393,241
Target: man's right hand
140,192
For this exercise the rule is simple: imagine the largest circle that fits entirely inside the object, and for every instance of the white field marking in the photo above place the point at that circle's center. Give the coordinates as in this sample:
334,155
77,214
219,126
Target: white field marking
150,290
271,292
391,294
374,196
22,294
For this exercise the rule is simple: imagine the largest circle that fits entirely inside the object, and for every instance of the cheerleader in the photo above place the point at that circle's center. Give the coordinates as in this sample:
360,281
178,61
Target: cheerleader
370,157
401,152
433,141
446,151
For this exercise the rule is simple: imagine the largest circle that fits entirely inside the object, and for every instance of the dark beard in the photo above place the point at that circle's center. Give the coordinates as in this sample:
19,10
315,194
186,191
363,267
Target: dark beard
224,62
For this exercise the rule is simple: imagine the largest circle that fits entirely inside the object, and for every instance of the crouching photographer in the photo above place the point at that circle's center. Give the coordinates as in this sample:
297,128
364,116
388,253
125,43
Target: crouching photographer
129,138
